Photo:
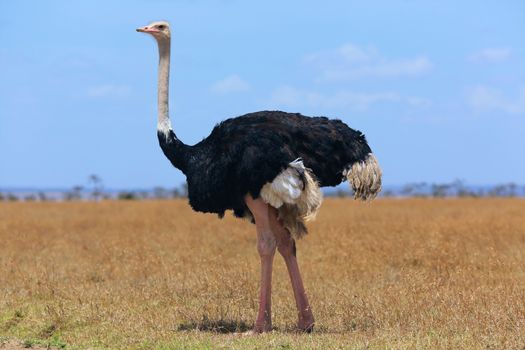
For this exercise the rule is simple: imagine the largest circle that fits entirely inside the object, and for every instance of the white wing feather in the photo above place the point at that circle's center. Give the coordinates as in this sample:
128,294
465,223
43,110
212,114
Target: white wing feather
286,187
296,195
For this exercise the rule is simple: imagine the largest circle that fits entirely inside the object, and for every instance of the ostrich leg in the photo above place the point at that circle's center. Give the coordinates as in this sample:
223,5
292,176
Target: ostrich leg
266,245
286,247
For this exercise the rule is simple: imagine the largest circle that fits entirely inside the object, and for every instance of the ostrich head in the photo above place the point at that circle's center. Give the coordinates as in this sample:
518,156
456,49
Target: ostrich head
160,30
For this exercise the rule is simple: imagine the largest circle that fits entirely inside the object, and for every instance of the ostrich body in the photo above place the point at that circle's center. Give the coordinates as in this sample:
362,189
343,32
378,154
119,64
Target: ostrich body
266,166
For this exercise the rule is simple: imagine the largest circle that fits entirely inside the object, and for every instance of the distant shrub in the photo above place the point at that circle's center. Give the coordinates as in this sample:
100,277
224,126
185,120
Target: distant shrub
74,194
126,195
11,197
97,187
160,193
504,190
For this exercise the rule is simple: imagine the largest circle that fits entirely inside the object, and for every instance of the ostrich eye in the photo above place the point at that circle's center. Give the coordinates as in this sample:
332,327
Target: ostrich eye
162,26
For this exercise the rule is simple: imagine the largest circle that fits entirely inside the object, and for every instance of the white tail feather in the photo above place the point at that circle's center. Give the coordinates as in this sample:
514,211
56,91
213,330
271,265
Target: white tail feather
365,178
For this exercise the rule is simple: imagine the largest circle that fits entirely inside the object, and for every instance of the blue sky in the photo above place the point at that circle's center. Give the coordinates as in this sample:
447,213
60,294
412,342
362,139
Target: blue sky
437,87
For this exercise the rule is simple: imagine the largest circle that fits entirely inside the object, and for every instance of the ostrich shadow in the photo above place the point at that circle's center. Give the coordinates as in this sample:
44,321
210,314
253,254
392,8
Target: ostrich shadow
225,326
222,326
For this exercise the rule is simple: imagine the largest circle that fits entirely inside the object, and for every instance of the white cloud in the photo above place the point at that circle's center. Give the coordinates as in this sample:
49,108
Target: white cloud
347,52
109,90
349,62
232,83
491,55
486,99
287,96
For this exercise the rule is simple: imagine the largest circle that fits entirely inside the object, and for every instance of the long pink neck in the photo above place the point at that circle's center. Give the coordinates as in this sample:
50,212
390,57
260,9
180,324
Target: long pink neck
163,120
176,151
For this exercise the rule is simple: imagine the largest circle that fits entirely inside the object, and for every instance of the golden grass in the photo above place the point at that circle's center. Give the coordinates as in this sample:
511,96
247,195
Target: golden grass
411,273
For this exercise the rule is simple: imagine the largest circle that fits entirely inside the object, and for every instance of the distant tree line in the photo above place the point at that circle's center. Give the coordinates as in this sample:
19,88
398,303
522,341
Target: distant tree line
456,188
157,193
94,190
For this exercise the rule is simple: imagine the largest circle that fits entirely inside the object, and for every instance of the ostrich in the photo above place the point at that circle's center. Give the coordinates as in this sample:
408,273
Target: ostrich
267,167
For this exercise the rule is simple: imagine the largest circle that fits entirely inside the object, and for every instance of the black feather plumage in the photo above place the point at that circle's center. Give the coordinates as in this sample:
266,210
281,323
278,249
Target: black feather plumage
242,154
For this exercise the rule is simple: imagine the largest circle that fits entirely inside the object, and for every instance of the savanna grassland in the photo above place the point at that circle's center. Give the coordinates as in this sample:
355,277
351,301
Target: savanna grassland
411,273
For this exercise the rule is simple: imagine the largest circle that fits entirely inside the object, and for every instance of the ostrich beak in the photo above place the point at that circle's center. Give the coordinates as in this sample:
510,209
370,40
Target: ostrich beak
146,29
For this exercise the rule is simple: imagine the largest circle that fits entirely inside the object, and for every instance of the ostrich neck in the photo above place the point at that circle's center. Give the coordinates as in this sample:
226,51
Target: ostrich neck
176,151
163,121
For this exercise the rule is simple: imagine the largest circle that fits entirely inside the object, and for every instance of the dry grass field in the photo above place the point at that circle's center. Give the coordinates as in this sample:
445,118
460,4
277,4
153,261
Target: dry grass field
413,273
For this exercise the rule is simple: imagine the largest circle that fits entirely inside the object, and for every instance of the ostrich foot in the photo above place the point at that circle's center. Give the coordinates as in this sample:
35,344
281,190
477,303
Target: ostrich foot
306,322
262,328
306,326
